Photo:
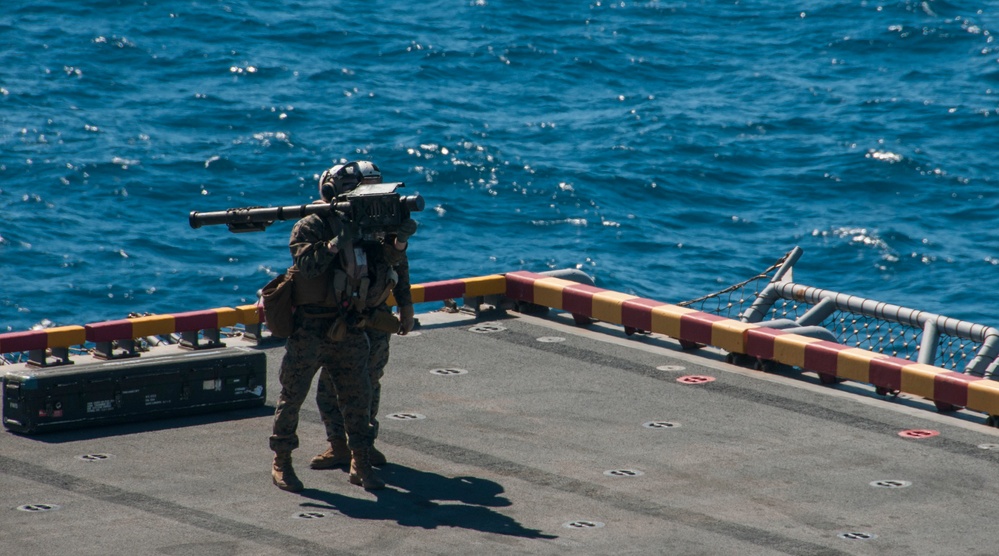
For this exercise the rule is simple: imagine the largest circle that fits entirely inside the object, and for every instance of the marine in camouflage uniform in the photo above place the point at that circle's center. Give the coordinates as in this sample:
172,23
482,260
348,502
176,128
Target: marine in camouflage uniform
338,454
346,363
335,290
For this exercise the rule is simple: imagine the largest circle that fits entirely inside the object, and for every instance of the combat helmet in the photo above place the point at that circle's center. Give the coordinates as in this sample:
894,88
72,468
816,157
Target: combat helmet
369,171
338,180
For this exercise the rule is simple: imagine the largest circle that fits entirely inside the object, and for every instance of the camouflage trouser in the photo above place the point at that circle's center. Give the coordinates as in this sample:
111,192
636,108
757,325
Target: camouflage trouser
346,362
326,392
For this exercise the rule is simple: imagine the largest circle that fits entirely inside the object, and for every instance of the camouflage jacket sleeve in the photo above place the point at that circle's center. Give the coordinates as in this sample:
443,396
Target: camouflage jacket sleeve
308,244
401,291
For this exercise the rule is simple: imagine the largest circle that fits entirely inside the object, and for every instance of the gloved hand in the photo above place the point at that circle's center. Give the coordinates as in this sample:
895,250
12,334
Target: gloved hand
406,320
406,229
347,234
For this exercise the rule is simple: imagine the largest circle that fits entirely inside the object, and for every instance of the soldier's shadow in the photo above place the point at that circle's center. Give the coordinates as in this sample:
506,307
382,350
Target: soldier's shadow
412,498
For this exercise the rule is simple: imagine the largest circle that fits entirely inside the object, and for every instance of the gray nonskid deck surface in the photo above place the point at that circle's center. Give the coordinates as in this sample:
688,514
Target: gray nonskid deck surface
520,435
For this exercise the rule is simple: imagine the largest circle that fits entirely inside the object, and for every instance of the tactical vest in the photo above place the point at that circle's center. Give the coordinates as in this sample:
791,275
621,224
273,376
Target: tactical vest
361,278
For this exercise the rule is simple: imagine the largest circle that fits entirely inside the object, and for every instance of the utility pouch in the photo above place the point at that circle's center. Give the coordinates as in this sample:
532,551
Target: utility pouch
278,303
340,286
383,321
338,331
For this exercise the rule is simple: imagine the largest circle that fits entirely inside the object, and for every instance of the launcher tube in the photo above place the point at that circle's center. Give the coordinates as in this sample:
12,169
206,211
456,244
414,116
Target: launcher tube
255,215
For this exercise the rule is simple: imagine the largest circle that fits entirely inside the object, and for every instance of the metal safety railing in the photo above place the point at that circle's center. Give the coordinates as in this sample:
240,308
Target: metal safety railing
770,298
773,299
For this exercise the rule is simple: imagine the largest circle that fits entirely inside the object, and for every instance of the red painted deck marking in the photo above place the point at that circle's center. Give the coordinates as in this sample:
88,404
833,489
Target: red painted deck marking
918,433
695,379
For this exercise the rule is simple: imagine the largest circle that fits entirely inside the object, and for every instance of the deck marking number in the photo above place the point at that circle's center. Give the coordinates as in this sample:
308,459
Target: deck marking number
309,515
487,328
38,508
918,433
583,524
857,536
890,483
671,368
623,473
448,372
406,416
660,425
695,379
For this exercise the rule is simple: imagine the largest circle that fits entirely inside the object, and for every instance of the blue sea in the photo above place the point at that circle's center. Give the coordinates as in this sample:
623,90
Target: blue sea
667,148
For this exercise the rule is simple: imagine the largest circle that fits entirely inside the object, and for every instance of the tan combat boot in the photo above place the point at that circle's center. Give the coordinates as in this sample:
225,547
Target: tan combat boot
284,475
361,472
337,455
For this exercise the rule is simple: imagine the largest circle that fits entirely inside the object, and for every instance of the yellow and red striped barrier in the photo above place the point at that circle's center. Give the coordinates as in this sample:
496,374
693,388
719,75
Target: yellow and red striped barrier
158,325
682,323
823,357
452,289
102,334
32,340
687,325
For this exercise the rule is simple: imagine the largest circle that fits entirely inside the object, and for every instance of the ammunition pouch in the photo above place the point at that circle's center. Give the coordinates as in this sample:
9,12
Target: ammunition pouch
338,331
380,319
277,299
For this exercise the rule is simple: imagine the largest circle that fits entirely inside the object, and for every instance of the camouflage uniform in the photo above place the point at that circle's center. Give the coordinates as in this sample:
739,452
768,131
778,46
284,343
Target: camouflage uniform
346,363
310,347
379,354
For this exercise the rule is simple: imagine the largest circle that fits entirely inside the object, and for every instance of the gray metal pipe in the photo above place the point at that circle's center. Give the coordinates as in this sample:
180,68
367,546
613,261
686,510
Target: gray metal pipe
765,300
884,311
571,274
986,360
933,325
792,257
928,347
818,313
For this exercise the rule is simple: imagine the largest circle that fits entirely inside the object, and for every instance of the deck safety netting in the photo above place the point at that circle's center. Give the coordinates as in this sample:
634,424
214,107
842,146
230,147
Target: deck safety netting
732,301
852,329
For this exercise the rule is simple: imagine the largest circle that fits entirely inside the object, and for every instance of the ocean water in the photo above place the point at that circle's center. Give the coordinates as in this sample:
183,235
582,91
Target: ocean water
667,148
